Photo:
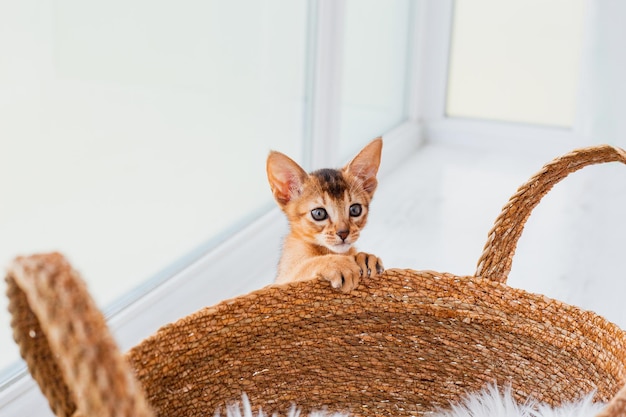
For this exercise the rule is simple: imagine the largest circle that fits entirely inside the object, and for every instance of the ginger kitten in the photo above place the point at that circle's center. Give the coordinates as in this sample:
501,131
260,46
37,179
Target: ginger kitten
326,210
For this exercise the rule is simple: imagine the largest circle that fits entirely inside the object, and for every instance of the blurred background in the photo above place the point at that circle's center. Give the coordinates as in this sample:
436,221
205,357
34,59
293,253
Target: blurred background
133,138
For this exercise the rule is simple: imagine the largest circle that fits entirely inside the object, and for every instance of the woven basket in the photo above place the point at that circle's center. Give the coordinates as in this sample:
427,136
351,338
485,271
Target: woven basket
402,344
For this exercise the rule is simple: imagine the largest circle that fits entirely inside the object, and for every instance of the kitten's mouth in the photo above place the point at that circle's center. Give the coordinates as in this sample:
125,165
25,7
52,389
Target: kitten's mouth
341,247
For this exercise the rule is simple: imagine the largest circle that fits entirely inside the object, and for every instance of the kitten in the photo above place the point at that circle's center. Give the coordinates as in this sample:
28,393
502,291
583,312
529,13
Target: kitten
326,210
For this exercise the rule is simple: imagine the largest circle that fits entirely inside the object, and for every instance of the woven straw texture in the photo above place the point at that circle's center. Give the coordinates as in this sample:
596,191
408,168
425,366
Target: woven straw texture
401,344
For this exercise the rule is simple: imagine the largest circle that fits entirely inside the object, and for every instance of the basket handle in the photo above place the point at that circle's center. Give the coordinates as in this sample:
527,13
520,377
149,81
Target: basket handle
66,343
495,261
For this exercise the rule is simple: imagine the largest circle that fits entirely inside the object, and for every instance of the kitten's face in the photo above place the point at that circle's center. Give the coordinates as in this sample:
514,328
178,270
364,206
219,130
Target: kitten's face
328,207
331,210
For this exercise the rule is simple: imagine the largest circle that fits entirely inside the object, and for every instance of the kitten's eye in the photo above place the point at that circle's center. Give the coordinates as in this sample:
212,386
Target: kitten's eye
319,214
355,210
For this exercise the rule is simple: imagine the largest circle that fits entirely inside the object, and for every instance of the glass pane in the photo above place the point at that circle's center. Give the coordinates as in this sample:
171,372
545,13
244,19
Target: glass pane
515,61
373,70
134,131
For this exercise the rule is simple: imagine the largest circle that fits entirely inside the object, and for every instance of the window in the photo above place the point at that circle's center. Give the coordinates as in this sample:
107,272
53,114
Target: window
374,71
134,133
515,61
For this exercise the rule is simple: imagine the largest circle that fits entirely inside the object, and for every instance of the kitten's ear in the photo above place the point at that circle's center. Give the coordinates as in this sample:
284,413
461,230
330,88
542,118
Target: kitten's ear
365,165
285,176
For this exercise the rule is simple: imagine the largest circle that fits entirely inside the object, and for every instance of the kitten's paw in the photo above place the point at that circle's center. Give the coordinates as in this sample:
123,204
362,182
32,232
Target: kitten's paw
370,265
343,273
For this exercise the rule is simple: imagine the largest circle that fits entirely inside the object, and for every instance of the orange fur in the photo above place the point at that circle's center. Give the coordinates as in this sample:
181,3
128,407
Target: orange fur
326,211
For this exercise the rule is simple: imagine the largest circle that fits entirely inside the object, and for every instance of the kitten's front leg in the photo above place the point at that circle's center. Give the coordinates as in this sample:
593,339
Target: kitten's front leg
341,271
371,265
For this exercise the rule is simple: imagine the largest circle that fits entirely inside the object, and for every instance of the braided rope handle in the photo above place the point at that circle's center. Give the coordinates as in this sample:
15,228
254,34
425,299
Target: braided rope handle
495,261
66,343
497,257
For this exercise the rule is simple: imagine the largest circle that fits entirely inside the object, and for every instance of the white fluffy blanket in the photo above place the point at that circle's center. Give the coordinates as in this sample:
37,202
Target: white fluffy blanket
491,402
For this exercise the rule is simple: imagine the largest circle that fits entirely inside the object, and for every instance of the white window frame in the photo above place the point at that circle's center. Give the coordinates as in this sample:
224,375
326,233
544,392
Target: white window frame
323,148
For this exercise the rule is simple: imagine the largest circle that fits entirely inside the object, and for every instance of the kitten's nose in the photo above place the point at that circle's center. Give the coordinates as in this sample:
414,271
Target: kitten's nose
343,234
